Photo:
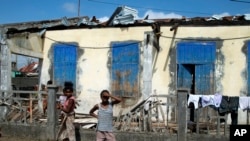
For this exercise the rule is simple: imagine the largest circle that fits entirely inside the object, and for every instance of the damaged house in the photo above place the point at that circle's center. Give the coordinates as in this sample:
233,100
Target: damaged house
136,59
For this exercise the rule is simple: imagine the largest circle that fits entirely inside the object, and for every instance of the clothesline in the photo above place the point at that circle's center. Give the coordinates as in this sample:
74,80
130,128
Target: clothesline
223,104
231,102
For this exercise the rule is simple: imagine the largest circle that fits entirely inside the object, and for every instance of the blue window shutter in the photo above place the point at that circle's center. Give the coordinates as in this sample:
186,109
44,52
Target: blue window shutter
204,79
184,79
125,69
196,52
64,64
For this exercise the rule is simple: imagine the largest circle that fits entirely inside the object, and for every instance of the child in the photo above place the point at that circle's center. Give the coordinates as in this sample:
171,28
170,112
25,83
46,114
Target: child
105,116
67,129
45,101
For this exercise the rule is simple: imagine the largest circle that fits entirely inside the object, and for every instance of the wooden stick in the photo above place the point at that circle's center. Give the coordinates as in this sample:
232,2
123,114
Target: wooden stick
31,109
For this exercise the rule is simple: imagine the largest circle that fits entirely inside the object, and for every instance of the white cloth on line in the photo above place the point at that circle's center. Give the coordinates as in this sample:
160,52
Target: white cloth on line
194,99
207,100
244,103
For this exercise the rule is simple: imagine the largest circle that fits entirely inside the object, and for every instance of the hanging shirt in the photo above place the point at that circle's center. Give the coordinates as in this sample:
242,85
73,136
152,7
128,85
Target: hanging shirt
207,100
217,99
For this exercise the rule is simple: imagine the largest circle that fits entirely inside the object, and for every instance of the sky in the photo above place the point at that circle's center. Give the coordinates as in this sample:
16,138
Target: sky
15,11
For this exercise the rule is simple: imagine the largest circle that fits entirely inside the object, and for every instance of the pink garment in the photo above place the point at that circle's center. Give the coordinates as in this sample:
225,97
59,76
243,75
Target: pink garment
66,104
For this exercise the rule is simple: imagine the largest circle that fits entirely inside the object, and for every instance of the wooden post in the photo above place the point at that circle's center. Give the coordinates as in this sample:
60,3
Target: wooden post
182,114
51,112
31,108
248,117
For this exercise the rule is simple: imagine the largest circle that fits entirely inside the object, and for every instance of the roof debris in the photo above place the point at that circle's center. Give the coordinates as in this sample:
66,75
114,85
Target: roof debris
122,16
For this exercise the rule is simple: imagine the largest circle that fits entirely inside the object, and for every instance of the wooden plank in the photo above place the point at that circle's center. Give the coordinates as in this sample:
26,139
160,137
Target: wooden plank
16,117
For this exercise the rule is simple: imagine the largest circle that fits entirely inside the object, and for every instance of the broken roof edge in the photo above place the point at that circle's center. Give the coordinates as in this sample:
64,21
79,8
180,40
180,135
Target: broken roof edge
42,21
138,23
43,24
123,16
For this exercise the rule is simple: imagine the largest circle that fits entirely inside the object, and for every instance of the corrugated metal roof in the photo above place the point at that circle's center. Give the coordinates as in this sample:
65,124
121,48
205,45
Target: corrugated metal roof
122,16
32,67
125,16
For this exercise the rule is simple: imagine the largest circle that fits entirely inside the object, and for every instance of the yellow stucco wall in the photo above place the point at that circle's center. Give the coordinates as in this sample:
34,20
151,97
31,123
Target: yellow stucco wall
93,74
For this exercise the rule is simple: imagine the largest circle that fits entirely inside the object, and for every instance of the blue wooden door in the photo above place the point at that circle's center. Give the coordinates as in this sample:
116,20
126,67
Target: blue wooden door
125,69
64,64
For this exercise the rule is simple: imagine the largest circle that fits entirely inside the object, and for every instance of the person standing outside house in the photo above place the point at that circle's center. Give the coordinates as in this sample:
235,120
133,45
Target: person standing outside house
104,130
45,98
61,100
67,129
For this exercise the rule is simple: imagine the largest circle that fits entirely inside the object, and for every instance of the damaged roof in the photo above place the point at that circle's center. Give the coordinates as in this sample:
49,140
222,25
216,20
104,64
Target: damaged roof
32,67
122,16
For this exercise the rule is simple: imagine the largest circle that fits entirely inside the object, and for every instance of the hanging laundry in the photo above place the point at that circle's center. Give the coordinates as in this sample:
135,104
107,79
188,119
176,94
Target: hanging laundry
194,99
244,103
230,105
207,100
217,99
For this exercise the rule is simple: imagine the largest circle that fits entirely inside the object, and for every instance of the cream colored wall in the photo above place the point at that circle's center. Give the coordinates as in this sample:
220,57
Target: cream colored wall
93,73
232,81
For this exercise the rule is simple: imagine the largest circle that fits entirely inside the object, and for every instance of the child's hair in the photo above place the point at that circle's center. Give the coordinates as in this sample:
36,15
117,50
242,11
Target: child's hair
103,91
68,86
49,82
68,89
